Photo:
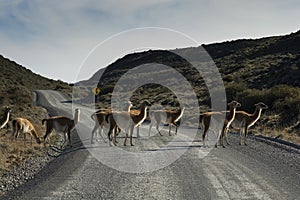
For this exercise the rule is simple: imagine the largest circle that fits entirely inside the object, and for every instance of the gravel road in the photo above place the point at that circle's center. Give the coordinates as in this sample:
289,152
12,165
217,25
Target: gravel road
256,171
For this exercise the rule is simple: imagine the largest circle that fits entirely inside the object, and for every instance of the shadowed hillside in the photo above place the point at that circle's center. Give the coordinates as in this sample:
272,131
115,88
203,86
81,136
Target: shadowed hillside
253,70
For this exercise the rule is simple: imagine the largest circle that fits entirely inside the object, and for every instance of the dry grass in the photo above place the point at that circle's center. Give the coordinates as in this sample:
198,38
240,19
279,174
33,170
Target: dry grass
279,133
271,125
14,153
17,93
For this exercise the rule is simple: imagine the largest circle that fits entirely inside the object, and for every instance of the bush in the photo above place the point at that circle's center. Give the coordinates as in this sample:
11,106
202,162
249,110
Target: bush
233,89
19,95
289,110
281,99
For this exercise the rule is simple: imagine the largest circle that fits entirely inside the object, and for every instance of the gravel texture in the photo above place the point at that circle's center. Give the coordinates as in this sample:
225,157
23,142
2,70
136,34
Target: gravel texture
21,174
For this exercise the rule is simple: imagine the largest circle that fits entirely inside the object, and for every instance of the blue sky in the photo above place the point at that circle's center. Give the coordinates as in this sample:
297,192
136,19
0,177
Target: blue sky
53,38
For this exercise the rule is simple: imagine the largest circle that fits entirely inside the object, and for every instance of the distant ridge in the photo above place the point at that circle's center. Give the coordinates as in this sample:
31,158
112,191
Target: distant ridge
276,56
266,69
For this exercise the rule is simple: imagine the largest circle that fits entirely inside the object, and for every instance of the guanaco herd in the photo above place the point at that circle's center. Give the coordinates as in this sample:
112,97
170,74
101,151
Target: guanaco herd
128,119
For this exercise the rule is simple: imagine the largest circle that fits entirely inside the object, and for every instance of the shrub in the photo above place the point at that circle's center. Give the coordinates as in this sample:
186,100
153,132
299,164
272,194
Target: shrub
281,99
19,95
232,89
289,109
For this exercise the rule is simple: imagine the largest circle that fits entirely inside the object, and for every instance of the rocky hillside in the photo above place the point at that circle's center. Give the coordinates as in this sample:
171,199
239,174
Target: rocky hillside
253,70
261,63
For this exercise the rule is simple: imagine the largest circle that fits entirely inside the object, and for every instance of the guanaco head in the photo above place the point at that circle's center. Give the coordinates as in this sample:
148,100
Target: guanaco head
7,109
146,103
38,140
234,104
261,105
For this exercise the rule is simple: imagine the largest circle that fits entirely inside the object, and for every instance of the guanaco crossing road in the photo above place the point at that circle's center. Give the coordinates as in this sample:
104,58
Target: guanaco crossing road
258,171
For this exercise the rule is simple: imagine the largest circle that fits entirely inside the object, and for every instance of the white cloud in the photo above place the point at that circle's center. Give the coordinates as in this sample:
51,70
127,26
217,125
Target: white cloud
53,37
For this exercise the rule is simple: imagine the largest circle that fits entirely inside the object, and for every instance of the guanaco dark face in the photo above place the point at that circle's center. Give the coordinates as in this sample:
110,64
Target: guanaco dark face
38,140
8,109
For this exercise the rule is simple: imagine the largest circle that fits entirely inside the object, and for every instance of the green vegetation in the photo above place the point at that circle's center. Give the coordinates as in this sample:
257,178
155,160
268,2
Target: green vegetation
281,99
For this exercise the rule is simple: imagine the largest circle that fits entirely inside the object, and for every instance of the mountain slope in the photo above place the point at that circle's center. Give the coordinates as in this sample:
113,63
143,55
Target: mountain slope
253,70
278,55
16,82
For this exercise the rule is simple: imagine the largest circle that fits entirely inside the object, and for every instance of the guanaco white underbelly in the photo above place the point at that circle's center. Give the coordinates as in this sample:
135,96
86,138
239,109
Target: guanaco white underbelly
25,128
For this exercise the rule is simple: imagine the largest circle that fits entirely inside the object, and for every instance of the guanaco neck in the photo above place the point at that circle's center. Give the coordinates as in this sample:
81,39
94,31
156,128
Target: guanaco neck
5,118
142,116
128,108
231,114
255,116
179,114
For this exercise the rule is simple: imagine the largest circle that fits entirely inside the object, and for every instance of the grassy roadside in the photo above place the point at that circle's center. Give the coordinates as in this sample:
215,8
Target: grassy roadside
268,126
17,86
14,153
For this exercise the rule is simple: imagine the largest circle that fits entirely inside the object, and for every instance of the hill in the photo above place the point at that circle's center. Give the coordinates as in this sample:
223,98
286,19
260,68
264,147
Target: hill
18,83
253,70
17,86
